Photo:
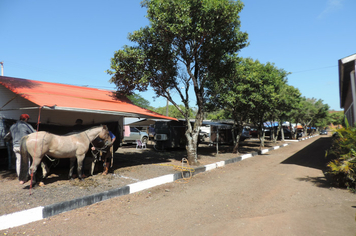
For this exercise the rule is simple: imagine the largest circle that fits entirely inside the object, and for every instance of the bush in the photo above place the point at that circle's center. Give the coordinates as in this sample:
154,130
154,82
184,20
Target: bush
343,168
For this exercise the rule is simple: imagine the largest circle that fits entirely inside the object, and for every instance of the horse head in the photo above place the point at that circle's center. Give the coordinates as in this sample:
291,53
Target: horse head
104,133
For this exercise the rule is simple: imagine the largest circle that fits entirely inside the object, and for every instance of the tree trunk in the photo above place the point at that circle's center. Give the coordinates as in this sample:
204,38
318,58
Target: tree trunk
262,138
279,130
236,146
191,147
192,135
282,133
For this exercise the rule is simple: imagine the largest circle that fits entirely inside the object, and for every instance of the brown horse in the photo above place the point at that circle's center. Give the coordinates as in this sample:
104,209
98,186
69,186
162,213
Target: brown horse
72,145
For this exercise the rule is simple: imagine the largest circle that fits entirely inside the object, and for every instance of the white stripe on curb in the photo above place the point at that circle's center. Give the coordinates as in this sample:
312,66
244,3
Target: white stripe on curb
264,151
136,187
214,165
243,157
21,218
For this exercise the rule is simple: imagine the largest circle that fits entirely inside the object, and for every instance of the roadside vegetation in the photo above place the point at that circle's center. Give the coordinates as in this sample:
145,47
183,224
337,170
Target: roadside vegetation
343,167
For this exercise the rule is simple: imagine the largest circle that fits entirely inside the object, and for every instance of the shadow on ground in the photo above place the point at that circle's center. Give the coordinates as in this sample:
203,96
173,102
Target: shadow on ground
313,156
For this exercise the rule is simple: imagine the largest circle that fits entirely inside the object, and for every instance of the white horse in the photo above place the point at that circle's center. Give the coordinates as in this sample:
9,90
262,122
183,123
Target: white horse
41,143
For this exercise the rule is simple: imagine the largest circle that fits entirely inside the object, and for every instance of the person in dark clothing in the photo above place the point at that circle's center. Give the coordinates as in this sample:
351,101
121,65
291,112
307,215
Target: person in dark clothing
107,151
18,130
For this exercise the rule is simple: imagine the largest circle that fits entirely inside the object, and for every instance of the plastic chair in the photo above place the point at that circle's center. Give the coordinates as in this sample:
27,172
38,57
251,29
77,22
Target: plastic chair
140,144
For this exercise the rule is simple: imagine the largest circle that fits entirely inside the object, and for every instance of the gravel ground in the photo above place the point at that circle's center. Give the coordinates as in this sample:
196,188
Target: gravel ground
130,166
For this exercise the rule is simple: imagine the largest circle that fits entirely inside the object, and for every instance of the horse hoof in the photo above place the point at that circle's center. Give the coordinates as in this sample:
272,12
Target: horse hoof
41,184
21,182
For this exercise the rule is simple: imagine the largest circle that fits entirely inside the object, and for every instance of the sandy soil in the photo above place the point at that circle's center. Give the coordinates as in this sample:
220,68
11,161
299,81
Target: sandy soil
283,192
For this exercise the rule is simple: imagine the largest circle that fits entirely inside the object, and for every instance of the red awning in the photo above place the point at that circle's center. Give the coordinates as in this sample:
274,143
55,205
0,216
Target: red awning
69,97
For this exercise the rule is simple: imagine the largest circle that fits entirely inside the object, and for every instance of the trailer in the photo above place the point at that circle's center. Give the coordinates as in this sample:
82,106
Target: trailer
170,134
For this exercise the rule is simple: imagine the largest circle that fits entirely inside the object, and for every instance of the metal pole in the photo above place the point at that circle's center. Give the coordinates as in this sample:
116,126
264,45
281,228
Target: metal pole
217,140
2,68
167,105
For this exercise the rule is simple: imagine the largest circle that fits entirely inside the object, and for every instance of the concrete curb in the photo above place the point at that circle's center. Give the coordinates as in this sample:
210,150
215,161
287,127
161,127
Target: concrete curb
42,212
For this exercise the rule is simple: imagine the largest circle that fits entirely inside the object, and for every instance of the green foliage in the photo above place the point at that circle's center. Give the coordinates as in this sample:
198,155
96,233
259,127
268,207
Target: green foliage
254,91
337,118
219,114
312,112
138,100
251,91
173,111
343,168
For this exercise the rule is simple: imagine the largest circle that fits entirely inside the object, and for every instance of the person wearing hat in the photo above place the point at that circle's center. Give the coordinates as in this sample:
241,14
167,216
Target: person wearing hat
18,130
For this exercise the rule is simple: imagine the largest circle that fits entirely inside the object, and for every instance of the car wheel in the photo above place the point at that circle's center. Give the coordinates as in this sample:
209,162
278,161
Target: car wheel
144,140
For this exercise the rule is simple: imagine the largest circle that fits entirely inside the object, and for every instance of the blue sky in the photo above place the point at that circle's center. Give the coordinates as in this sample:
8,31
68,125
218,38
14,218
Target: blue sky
72,42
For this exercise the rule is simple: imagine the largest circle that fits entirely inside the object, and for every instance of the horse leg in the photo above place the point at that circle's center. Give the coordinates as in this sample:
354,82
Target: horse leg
80,160
71,168
33,169
92,166
45,169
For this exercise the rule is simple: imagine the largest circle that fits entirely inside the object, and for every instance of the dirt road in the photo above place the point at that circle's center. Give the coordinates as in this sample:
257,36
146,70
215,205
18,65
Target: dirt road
283,192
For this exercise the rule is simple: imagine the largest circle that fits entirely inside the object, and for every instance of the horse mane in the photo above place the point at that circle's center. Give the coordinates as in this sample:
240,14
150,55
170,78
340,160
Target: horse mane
98,126
84,130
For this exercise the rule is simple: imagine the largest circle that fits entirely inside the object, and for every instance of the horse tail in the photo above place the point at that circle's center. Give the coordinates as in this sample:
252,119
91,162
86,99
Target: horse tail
24,160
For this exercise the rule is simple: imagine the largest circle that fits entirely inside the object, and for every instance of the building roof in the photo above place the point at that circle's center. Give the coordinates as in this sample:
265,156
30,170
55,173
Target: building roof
75,98
346,65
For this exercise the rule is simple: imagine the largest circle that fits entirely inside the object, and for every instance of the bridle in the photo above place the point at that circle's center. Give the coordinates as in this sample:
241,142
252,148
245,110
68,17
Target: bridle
99,150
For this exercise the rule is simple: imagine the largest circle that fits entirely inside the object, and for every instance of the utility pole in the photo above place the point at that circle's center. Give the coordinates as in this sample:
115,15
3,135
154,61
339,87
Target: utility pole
167,104
2,68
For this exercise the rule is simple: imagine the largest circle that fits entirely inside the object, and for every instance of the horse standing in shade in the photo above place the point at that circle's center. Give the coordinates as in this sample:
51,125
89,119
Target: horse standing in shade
41,143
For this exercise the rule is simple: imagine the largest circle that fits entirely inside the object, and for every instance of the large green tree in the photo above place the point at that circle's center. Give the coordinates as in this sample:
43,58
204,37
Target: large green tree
254,91
184,46
231,93
289,99
311,112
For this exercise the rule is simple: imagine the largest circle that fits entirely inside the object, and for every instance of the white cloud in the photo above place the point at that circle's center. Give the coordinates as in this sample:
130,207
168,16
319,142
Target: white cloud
332,5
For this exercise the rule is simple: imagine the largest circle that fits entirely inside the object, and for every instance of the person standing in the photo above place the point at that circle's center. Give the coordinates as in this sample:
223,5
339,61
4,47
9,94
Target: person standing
18,130
110,154
107,150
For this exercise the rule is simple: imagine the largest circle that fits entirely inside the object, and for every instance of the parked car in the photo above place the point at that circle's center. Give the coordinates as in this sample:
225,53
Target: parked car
287,133
136,134
245,135
204,133
203,136
324,132
253,132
